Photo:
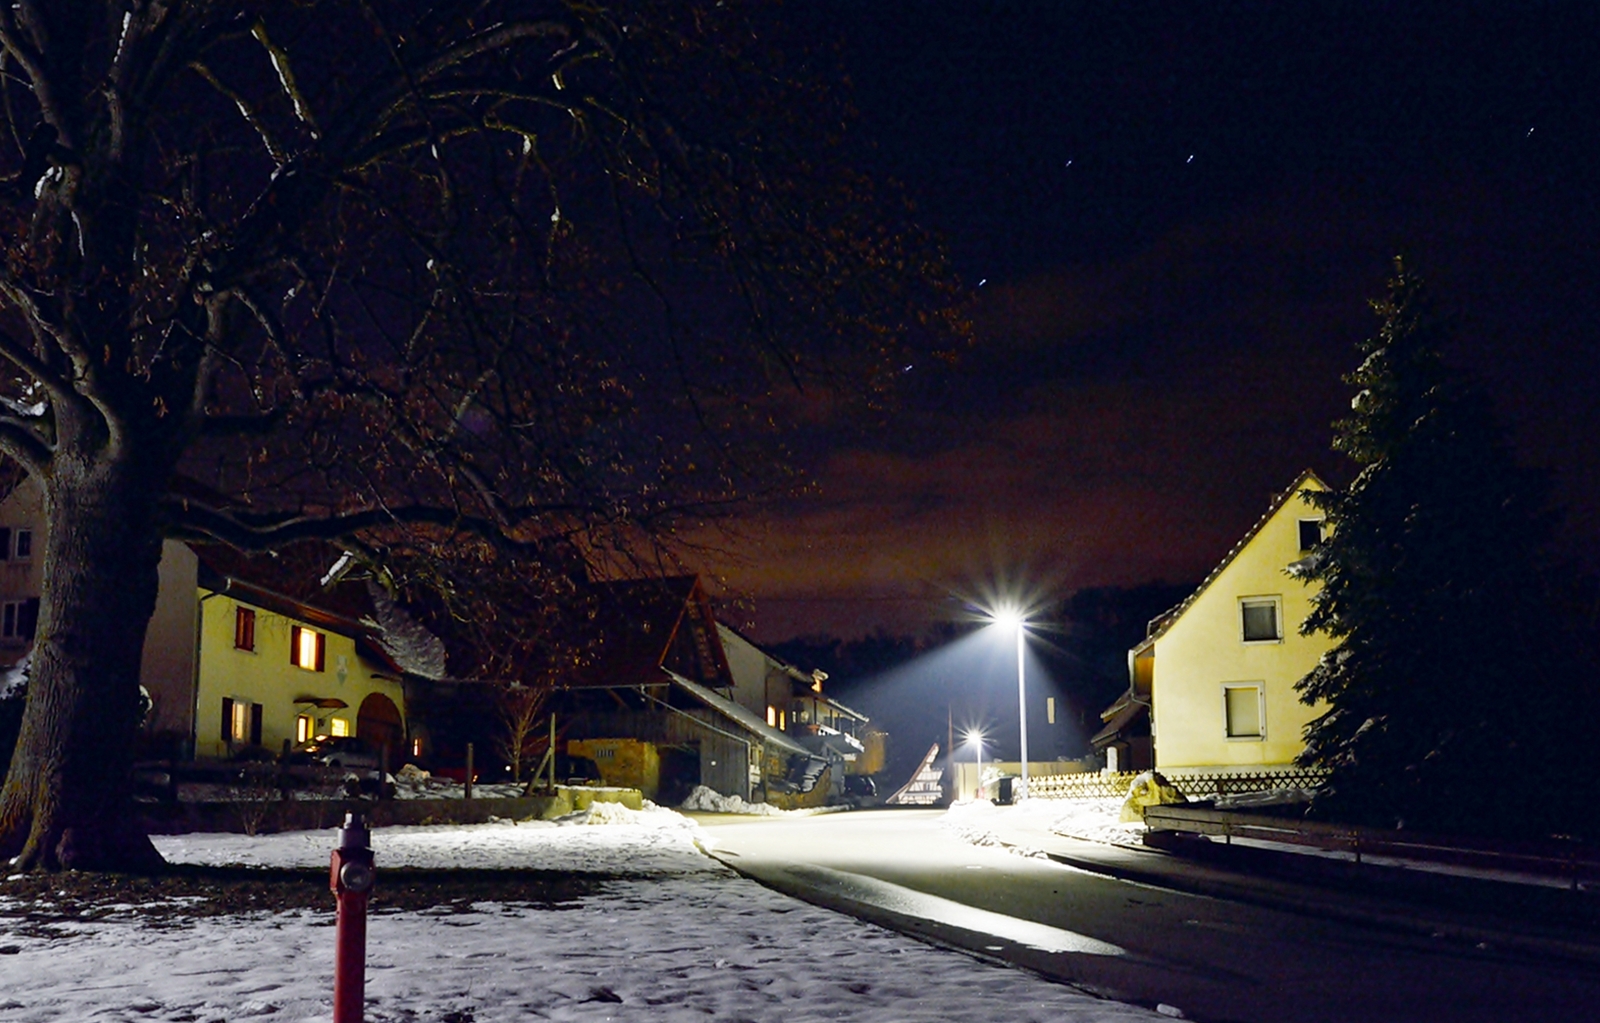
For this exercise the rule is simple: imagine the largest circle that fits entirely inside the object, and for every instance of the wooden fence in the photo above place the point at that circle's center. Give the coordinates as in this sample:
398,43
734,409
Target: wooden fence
1208,785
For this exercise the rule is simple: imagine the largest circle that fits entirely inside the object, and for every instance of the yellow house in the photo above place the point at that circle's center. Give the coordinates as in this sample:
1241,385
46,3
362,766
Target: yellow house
227,663
272,669
1220,668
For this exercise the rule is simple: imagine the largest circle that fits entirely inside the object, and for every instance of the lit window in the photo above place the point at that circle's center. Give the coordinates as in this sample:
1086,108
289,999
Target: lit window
24,544
244,628
302,728
416,747
1310,533
339,726
1259,620
1241,708
307,648
772,716
241,721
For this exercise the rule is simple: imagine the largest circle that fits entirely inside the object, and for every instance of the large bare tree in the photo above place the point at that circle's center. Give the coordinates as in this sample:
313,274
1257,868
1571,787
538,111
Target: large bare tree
502,285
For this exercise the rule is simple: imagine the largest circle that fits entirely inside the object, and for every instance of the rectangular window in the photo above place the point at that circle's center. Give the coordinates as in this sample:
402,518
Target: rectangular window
5,543
338,726
1259,620
307,648
302,728
1241,709
239,729
1310,533
24,546
244,628
1050,709
772,716
416,747
19,619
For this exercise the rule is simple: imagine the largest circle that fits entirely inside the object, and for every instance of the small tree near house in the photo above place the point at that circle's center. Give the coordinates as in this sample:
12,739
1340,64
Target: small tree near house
519,709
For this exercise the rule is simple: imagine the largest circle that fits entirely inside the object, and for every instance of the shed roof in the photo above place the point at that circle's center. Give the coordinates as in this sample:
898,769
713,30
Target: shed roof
741,716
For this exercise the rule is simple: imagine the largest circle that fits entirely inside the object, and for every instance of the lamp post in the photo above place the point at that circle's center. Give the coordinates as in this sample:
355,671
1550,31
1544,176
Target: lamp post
975,739
1013,618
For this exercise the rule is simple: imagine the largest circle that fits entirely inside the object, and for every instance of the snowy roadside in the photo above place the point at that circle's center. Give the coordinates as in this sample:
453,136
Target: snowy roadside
1093,819
670,935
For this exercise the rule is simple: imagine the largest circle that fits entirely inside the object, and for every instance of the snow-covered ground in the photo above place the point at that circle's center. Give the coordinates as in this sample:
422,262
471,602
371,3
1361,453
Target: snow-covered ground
675,937
1093,819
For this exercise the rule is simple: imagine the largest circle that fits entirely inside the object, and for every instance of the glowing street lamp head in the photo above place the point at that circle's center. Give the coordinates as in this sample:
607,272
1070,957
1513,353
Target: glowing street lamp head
973,737
1008,617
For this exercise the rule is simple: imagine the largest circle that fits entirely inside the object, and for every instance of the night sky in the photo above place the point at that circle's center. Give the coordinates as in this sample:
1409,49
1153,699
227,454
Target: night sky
1171,217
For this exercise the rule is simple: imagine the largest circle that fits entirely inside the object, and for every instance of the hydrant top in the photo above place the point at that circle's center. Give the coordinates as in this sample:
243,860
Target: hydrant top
354,834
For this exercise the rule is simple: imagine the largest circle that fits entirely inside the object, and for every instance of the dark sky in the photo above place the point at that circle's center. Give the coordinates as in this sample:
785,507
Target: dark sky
1172,216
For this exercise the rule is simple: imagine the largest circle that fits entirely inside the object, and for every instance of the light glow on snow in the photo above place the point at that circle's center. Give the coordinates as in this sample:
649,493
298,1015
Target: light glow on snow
673,937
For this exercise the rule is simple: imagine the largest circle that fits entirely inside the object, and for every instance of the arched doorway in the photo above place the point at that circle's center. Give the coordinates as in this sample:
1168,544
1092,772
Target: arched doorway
378,724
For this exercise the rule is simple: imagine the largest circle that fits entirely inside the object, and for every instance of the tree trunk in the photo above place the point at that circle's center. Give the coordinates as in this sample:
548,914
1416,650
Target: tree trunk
67,802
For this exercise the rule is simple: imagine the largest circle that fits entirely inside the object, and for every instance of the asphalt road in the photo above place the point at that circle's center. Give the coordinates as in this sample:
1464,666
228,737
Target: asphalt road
1212,959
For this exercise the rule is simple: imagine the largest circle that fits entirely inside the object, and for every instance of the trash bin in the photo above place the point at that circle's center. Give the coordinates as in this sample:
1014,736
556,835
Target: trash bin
1002,795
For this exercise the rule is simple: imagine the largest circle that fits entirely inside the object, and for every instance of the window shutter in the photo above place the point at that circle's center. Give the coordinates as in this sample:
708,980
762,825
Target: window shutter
227,719
5,543
255,724
294,644
322,650
28,618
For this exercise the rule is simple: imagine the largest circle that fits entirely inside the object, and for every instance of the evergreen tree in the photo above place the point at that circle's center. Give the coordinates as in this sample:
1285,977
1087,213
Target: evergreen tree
1445,705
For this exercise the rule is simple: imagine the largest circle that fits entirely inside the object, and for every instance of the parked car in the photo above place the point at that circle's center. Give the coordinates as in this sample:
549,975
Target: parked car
335,751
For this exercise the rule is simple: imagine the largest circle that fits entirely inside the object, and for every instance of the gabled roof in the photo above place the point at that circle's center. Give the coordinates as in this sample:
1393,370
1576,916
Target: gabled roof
639,627
1159,625
368,644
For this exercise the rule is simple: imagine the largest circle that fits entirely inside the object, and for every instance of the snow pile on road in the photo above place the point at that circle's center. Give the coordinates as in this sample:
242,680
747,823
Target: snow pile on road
1094,819
671,936
971,819
706,800
652,816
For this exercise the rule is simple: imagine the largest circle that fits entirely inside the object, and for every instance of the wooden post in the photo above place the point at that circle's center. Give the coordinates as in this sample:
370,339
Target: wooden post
469,770
552,751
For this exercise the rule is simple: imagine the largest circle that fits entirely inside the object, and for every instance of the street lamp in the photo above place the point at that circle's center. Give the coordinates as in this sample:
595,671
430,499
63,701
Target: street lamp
1010,617
975,740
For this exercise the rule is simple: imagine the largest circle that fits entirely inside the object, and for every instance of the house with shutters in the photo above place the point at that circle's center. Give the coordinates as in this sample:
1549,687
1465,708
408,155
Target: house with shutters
229,662
1212,686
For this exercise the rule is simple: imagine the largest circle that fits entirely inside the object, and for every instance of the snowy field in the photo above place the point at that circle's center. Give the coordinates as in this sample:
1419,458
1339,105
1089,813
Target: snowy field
673,936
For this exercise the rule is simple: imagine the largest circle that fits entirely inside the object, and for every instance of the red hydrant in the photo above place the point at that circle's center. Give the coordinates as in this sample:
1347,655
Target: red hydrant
351,878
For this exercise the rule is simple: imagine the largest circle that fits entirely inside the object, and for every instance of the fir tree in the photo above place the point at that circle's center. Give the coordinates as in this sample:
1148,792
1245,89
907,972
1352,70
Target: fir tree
1442,690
